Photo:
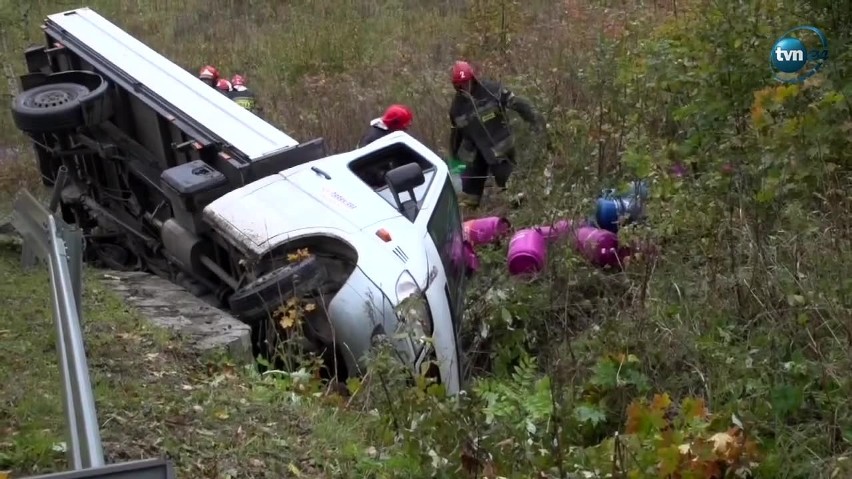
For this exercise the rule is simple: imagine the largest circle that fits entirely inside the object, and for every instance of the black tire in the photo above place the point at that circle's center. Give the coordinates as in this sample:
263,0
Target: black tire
50,108
254,301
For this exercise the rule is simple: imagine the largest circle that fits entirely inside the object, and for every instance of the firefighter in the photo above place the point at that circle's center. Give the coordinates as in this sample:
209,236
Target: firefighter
480,135
225,87
241,93
396,118
209,75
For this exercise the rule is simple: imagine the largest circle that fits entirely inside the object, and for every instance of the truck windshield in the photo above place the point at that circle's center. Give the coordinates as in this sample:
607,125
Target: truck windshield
445,228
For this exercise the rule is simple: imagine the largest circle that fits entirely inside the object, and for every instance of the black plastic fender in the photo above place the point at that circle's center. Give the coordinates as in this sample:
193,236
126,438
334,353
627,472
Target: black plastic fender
256,300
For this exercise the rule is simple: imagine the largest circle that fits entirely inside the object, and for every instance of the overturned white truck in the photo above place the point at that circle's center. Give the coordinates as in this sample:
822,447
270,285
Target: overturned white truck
165,174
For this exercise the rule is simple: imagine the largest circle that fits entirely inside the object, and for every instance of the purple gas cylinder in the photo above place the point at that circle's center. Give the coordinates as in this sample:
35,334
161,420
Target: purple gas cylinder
527,252
485,230
557,231
600,246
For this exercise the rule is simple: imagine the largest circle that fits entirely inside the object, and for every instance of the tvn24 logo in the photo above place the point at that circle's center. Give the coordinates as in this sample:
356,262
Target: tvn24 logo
799,54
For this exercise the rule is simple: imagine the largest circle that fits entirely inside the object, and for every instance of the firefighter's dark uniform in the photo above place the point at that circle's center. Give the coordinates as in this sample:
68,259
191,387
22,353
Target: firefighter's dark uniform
480,135
243,97
377,130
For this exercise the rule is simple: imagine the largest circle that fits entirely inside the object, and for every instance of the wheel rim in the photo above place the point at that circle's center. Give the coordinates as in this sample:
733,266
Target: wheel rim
51,99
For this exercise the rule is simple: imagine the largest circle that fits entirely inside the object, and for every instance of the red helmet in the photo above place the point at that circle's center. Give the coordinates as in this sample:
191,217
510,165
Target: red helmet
209,72
462,73
397,117
238,80
223,85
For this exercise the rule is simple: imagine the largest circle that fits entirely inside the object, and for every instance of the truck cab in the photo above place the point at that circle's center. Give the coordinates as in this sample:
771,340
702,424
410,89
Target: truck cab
166,175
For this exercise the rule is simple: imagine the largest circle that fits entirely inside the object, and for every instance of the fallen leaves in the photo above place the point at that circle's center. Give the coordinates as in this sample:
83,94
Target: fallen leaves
291,313
642,418
298,255
722,442
661,402
694,408
680,442
288,317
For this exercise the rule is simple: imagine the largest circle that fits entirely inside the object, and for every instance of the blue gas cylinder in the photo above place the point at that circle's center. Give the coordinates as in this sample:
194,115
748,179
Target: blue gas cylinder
611,207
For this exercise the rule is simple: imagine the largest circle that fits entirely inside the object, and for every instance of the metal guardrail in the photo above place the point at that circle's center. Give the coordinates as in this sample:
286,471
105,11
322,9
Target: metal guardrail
48,239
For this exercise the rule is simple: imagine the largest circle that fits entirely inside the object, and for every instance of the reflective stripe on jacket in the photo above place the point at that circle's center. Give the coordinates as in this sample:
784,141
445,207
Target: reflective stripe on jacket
482,123
243,97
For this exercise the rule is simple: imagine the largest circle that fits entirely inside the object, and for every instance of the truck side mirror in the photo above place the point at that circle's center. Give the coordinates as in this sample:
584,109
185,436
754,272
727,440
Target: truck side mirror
404,179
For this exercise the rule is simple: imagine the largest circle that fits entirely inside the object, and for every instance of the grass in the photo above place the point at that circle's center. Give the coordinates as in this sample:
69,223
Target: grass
154,397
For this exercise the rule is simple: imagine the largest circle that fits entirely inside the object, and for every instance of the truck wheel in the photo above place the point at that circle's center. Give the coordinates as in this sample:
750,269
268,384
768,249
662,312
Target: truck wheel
49,108
255,301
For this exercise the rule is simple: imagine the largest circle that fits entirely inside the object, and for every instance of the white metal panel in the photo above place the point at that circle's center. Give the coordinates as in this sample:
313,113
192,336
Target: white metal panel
232,123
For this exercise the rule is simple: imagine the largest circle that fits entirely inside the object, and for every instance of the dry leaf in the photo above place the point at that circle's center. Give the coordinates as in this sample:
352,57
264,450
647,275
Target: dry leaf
694,408
661,402
298,255
5,474
634,416
310,307
289,320
722,441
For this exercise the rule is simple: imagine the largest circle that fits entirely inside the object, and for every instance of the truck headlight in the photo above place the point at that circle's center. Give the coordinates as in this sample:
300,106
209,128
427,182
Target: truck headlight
412,307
